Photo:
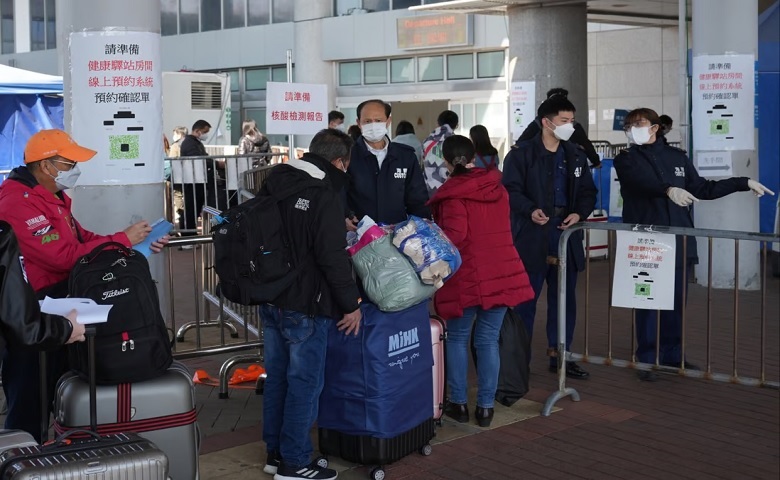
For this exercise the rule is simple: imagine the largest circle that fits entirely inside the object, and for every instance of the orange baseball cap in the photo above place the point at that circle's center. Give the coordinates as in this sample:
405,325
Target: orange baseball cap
51,143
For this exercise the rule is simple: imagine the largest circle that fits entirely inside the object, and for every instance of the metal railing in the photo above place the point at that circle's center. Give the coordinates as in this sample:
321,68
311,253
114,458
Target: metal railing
699,338
4,174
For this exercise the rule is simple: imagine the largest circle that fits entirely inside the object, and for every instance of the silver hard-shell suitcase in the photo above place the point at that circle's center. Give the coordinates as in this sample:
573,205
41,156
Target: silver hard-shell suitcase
161,410
15,438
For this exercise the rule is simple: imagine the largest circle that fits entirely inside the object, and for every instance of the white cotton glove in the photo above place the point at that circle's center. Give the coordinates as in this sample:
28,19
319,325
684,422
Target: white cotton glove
758,189
680,196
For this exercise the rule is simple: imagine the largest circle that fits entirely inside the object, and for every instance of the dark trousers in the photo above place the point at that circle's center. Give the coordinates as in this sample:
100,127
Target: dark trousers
527,310
669,350
22,386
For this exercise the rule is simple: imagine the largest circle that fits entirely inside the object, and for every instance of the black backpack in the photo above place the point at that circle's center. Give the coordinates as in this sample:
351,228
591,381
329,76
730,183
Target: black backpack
134,344
252,256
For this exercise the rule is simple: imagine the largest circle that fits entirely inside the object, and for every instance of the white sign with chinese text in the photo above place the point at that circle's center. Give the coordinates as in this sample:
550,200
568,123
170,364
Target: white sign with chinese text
714,164
522,109
723,102
644,271
296,108
116,105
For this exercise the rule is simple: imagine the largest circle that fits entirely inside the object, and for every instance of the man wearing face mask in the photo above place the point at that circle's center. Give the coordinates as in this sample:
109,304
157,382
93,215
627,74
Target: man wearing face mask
195,196
387,183
550,189
659,185
336,121
51,240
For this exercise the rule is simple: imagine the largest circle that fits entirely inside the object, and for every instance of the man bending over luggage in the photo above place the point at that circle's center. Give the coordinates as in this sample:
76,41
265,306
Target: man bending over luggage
296,325
33,201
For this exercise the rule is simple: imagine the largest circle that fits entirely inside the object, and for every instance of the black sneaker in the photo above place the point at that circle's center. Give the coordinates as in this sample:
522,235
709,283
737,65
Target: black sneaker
272,462
647,375
311,472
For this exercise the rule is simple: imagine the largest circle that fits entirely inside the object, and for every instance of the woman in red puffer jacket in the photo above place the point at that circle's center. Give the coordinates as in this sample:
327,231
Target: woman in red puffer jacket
472,207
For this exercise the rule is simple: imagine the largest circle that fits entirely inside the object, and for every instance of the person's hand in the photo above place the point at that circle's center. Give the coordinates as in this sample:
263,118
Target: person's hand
538,217
758,189
138,232
156,247
351,224
78,331
569,221
350,322
680,196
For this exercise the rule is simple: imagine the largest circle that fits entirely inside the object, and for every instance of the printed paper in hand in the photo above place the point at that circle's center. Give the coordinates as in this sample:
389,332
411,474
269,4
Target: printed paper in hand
88,311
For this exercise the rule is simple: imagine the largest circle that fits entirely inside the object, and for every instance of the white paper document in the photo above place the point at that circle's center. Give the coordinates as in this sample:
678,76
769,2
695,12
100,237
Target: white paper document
88,311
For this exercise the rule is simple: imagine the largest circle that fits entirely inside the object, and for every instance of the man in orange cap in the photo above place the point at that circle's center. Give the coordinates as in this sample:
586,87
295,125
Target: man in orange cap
32,201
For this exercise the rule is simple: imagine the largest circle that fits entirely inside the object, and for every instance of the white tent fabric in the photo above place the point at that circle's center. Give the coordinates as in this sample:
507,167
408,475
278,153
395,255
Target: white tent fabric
18,81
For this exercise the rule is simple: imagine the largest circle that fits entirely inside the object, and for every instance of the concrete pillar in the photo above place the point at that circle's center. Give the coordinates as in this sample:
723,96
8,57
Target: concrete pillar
22,41
726,27
307,53
548,45
108,208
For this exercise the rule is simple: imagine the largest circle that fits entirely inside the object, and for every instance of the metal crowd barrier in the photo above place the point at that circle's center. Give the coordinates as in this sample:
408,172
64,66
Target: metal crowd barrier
4,174
697,337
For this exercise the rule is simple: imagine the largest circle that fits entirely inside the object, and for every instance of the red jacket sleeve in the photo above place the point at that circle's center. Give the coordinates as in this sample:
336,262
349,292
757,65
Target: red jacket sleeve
58,250
453,219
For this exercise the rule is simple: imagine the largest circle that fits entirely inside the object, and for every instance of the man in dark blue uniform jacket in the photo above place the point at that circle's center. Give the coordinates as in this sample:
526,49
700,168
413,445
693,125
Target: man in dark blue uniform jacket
387,183
550,189
659,184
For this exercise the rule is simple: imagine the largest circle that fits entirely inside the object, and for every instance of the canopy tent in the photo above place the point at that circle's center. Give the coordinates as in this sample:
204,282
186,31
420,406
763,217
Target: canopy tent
29,101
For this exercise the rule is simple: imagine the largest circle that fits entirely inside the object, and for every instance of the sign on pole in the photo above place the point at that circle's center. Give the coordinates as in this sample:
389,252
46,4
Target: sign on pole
723,102
116,105
644,271
296,108
522,109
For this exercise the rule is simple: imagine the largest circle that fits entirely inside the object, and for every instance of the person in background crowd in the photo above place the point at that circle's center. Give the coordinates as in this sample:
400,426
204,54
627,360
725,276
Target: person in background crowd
659,185
252,141
354,132
195,196
178,136
296,326
550,189
486,153
666,127
404,133
472,208
174,151
387,184
579,136
336,120
434,169
51,240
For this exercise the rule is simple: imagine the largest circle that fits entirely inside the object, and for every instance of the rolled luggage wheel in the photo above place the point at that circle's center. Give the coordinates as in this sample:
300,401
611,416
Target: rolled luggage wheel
426,450
377,473
322,461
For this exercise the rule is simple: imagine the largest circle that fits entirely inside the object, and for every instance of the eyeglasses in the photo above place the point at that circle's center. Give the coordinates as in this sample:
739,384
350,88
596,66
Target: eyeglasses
639,123
70,165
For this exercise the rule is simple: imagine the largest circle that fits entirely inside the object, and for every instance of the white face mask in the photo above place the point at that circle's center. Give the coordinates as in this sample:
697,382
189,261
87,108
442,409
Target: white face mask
341,127
203,136
374,132
563,132
639,135
68,178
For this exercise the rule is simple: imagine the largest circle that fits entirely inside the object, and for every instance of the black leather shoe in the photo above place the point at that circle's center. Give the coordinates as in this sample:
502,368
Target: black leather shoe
484,416
572,371
647,375
457,411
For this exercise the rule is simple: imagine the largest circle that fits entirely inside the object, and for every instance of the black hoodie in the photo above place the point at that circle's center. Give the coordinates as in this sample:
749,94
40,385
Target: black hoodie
313,218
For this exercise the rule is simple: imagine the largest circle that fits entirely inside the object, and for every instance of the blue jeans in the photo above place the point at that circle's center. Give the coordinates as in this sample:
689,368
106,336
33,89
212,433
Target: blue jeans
486,342
295,347
527,310
669,350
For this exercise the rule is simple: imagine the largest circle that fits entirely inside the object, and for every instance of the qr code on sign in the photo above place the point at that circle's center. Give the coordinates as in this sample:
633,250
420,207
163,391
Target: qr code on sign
123,147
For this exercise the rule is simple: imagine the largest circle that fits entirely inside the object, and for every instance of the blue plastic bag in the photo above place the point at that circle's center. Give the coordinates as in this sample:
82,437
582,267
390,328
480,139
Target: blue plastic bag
433,256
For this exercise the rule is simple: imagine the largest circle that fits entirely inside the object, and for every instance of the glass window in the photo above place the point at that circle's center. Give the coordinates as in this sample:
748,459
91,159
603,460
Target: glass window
344,6
430,69
492,116
7,25
37,25
460,66
234,12
169,17
399,4
401,70
188,16
349,73
233,74
279,74
490,64
376,5
256,79
467,119
375,71
51,25
210,16
259,12
283,11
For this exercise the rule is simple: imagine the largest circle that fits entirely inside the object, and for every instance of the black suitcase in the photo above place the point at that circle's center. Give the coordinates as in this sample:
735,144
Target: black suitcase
123,456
